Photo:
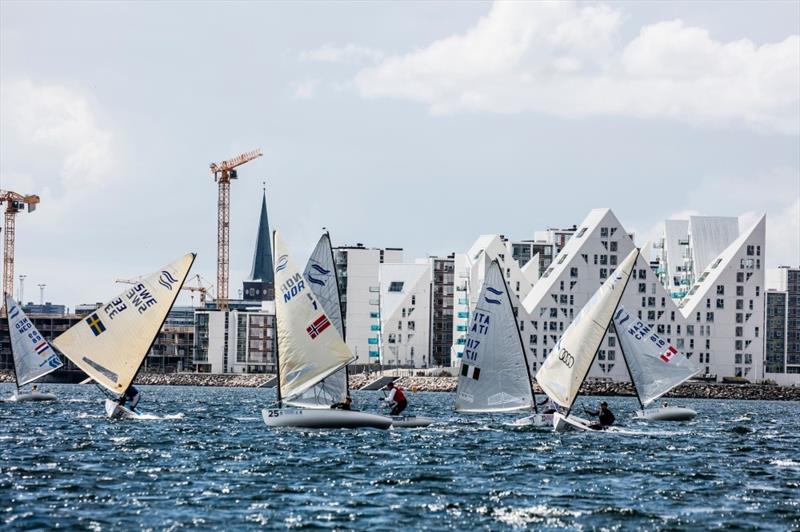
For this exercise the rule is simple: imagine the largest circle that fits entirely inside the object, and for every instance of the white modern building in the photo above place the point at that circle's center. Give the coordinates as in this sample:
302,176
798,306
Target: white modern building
715,320
358,270
405,309
240,340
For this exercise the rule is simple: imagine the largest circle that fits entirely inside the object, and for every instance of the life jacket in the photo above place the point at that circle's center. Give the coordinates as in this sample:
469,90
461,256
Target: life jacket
398,394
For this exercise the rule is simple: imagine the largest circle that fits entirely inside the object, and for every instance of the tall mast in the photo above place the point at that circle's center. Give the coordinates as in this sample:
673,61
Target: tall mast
341,312
612,319
627,366
519,335
277,342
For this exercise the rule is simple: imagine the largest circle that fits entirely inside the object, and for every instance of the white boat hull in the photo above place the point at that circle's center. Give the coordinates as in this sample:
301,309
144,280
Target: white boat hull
32,396
565,424
536,420
323,419
669,413
407,422
115,411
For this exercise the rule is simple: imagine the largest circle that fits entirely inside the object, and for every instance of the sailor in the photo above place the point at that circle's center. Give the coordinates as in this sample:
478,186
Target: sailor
34,388
665,405
343,405
604,417
396,399
132,395
549,406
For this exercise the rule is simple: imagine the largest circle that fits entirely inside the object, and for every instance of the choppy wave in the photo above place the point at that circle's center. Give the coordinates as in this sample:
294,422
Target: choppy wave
214,464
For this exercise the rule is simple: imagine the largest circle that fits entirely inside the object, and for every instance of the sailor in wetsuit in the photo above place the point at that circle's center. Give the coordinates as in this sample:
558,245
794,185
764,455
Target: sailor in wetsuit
396,399
132,395
605,418
549,406
343,405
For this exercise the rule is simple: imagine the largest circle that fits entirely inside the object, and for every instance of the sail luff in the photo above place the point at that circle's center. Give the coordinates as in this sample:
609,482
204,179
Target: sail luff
566,367
111,343
161,325
655,366
630,374
32,355
635,254
310,348
490,377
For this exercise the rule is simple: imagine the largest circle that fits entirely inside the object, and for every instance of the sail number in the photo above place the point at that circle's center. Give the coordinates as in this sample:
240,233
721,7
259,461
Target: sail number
471,349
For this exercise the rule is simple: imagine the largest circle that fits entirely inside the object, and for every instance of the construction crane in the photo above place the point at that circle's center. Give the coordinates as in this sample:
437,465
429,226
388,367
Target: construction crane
203,287
223,173
14,203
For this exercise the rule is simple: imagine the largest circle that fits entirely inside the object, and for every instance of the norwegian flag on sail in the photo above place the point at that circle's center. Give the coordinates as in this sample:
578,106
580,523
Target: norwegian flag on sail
666,355
319,325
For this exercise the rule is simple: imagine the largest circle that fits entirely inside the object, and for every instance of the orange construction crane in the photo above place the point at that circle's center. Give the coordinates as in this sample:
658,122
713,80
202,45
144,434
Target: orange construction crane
223,173
14,204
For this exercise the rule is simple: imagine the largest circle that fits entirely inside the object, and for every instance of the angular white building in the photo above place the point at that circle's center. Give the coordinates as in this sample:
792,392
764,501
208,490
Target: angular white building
714,317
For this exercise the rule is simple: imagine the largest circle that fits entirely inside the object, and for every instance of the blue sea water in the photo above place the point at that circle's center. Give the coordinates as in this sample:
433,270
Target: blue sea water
212,463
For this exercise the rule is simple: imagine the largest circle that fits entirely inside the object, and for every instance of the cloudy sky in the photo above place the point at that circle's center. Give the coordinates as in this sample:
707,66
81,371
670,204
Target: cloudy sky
419,125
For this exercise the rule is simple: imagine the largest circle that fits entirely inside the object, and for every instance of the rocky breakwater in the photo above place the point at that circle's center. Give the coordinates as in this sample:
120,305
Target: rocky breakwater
691,390
203,379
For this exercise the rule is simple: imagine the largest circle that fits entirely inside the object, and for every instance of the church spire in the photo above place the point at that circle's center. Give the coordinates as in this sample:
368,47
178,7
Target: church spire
261,282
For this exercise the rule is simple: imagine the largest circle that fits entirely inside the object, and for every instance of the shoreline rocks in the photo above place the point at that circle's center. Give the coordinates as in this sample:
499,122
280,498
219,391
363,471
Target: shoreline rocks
689,390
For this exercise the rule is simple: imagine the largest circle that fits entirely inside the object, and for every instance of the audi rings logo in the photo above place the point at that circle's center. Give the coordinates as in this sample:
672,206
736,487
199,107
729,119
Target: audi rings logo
565,357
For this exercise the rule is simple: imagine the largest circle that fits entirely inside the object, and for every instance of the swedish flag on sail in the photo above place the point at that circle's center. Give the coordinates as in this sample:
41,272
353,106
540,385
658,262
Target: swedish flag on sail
95,324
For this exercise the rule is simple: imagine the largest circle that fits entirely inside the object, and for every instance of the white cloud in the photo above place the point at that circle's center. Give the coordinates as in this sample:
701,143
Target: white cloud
304,90
55,129
349,53
568,60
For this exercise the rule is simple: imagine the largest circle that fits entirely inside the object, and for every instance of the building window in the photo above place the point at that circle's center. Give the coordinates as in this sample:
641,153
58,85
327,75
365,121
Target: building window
603,273
720,303
413,300
573,272
604,232
396,286
710,317
613,245
642,288
720,289
412,325
739,277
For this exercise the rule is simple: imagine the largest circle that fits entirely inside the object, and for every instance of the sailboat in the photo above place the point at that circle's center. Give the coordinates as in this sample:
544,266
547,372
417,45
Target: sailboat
494,374
320,273
111,343
655,367
310,350
33,356
567,365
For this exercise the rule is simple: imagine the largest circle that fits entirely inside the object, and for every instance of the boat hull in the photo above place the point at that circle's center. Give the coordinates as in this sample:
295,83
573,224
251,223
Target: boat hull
115,411
536,420
670,413
323,419
32,396
570,423
408,422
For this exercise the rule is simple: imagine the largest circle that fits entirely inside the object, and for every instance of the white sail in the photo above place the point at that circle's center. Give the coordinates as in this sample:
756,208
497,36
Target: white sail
309,347
33,356
656,367
321,276
565,368
110,344
493,376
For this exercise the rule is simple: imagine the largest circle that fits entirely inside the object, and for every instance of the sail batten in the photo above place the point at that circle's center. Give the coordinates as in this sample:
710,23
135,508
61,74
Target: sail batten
567,365
310,348
656,367
493,376
320,272
111,343
33,356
